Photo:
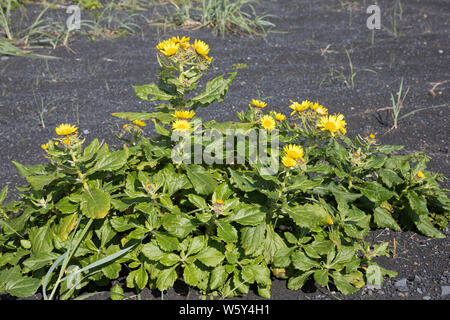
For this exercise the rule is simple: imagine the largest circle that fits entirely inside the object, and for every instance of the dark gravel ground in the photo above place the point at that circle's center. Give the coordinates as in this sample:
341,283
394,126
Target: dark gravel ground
292,63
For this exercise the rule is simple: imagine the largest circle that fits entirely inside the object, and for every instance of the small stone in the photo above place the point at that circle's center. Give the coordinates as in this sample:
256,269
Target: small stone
417,278
445,290
441,51
373,286
426,298
4,58
419,291
401,285
86,131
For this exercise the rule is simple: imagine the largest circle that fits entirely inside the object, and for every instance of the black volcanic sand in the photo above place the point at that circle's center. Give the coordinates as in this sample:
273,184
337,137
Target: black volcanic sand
292,63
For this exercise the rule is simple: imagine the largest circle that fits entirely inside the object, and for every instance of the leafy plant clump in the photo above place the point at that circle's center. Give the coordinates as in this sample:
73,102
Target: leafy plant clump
149,214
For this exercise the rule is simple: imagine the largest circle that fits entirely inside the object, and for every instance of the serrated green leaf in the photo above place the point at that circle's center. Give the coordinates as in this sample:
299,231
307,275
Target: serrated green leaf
383,219
308,215
210,257
95,203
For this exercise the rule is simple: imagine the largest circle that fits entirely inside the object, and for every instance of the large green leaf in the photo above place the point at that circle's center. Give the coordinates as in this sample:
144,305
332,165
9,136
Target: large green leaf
215,90
203,181
252,239
308,215
113,161
419,214
383,219
95,203
248,214
151,89
210,257
375,192
177,225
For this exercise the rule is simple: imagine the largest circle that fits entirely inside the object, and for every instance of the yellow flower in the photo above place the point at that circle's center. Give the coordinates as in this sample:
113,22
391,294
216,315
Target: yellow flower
184,114
219,201
44,146
168,47
66,129
314,106
279,116
420,175
268,122
297,107
201,48
293,151
66,141
181,125
139,123
184,42
356,154
332,124
288,161
372,136
258,104
125,126
321,111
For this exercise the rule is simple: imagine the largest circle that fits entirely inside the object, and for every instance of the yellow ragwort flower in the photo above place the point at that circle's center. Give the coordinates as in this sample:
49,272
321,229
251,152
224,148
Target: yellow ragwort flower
279,116
268,122
184,41
356,154
314,106
297,107
201,48
372,136
219,201
181,125
125,126
44,146
420,175
288,161
321,111
139,123
293,151
66,141
168,47
66,129
332,124
184,114
258,103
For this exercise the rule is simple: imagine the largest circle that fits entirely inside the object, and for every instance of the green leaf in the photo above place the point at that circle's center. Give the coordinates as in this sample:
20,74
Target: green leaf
36,262
308,215
252,239
375,192
215,90
191,274
203,181
321,277
198,201
26,171
165,241
218,277
66,226
297,282
210,257
40,181
303,184
177,225
374,275
389,177
170,259
66,206
166,278
383,219
41,240
302,262
3,194
112,162
282,258
142,92
95,203
419,214
117,293
141,278
248,214
342,284
226,231
22,287
163,117
152,251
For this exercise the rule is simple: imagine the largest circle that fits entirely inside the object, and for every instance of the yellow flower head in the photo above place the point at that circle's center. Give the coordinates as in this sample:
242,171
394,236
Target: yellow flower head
168,47
66,141
181,125
321,111
356,155
184,42
297,107
372,136
314,106
293,151
44,146
420,175
258,104
219,201
279,116
332,124
66,129
184,114
201,48
139,123
268,122
125,126
288,161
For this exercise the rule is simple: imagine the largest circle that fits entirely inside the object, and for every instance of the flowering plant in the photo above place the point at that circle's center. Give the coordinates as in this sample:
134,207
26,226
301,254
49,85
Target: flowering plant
224,222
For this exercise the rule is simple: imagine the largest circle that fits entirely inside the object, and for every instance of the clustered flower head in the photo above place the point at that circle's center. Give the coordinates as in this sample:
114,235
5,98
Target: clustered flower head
258,103
182,48
181,125
333,124
184,114
293,155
